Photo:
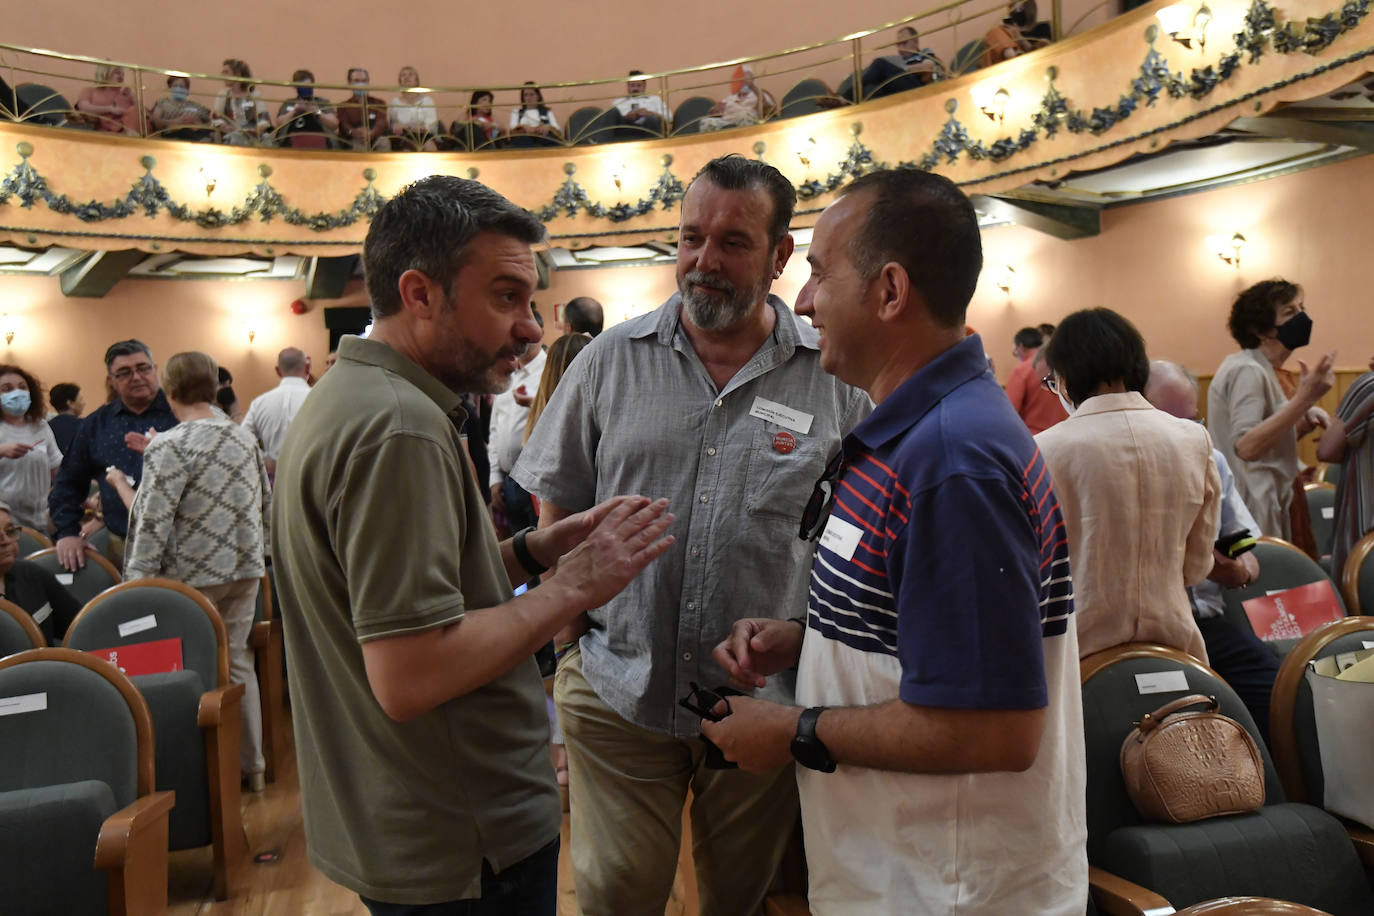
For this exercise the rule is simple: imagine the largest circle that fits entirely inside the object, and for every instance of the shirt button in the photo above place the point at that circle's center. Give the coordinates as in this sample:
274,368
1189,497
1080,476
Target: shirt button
686,656
691,605
711,450
704,497
696,551
720,403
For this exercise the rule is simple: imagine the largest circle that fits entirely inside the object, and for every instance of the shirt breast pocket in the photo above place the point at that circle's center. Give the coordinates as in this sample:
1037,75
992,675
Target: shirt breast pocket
783,470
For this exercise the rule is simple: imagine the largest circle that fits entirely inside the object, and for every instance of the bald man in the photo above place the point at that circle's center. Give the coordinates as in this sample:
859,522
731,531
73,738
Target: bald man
270,414
583,315
1233,652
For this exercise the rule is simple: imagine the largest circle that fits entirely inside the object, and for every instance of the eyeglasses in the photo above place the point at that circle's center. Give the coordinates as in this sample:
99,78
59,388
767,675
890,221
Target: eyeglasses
12,532
123,375
1050,383
702,702
818,506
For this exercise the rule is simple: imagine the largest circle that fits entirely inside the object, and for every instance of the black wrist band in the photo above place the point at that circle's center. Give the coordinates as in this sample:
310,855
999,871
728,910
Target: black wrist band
522,553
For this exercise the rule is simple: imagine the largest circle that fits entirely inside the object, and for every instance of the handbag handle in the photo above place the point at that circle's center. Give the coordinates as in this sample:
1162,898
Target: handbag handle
1151,720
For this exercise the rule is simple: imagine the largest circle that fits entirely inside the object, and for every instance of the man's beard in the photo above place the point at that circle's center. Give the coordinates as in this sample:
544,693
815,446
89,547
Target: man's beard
475,372
719,312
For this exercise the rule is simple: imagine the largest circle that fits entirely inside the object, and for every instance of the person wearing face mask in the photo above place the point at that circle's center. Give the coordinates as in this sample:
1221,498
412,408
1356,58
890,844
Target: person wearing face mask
29,456
240,114
1140,494
362,117
176,116
306,122
1253,422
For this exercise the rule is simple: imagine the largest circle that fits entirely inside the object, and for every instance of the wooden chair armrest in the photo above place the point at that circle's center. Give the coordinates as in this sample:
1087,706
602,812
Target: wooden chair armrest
1363,838
119,830
786,905
214,704
1119,897
260,635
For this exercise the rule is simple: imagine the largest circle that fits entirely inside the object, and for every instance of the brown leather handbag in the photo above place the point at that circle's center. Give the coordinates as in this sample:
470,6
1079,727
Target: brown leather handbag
1186,766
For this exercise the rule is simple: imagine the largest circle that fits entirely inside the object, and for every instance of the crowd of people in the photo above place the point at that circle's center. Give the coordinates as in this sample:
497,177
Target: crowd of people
723,491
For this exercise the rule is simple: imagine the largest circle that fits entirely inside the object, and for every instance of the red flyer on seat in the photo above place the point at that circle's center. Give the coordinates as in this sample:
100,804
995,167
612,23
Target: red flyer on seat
154,657
1294,612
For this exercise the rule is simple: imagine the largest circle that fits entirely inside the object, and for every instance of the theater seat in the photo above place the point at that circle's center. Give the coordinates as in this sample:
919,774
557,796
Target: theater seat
1321,506
1285,850
266,639
804,98
967,59
31,541
18,632
687,116
1282,566
90,580
1357,579
580,124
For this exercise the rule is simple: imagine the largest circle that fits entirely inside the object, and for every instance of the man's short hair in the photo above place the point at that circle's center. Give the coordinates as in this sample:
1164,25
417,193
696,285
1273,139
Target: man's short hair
923,222
301,76
353,70
1028,338
191,378
225,377
126,348
584,315
1164,370
1094,347
1046,330
63,394
1252,314
636,73
427,227
735,173
906,32
291,361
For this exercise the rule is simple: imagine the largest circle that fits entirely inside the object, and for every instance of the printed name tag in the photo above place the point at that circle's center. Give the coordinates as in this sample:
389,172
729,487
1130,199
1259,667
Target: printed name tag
841,537
65,578
1328,511
137,625
782,415
42,613
1161,682
29,702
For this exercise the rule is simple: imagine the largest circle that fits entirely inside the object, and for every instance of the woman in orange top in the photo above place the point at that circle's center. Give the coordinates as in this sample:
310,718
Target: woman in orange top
110,101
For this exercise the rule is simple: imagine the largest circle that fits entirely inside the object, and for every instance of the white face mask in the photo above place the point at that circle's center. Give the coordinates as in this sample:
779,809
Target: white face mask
1059,391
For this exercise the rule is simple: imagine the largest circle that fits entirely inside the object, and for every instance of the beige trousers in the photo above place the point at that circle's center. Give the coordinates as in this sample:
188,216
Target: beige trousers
628,786
237,602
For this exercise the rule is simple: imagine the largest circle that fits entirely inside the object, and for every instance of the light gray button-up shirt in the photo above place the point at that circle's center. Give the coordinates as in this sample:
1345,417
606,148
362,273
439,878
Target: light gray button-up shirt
638,413
1243,394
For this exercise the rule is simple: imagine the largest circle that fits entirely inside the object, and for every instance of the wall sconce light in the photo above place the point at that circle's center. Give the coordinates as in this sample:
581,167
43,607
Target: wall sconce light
8,323
1227,249
1185,25
1005,277
804,150
211,179
992,102
618,173
252,328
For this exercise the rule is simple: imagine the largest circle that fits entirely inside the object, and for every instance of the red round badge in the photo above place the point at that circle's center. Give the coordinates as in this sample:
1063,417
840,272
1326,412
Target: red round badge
784,443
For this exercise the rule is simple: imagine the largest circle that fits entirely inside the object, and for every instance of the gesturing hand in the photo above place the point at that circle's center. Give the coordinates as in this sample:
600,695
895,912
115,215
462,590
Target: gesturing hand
613,543
758,647
1314,383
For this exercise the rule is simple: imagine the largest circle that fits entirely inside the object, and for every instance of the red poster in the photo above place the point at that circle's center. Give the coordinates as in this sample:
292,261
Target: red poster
1294,612
144,657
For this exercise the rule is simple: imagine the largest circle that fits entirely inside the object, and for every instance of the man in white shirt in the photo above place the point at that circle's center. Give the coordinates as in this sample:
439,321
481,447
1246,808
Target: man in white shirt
637,116
270,414
507,438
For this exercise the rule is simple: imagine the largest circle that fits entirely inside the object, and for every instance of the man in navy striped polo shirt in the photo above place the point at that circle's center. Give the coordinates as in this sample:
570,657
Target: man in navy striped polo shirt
940,720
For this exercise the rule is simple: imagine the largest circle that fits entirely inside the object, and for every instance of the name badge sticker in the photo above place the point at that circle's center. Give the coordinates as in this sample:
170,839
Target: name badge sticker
42,613
841,537
137,625
782,415
65,578
29,702
1161,682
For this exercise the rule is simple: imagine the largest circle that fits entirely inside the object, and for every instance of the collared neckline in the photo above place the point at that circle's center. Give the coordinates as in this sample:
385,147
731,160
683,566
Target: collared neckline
159,402
376,353
1112,401
913,398
292,381
1258,356
785,330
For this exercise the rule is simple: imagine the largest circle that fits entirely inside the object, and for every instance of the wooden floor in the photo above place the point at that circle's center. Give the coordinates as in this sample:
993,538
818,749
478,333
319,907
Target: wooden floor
287,884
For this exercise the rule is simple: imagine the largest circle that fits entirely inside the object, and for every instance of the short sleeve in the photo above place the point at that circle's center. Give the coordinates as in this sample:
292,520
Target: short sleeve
422,474
50,445
558,463
1247,401
966,581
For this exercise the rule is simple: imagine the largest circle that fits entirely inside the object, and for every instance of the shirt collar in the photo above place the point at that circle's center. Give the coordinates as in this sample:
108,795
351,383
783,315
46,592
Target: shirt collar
787,330
913,398
1106,403
293,381
159,403
376,353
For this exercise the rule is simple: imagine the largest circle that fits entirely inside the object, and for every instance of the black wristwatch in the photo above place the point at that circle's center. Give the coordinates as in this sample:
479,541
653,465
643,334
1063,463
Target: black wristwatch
806,747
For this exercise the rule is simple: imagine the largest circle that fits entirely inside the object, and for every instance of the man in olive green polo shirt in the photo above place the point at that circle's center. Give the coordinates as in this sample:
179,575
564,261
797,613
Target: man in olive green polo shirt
420,720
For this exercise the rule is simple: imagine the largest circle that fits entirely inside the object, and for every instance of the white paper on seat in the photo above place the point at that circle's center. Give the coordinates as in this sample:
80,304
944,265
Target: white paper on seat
42,613
29,702
65,578
1161,682
137,625
1328,511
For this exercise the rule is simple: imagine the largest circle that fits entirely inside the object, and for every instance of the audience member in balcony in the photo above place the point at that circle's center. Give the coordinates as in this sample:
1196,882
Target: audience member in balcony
177,116
479,128
1138,489
240,114
911,67
32,587
533,123
306,122
200,517
638,115
1348,441
65,398
362,117
742,107
1018,34
412,116
110,101
29,456
1037,406
1251,420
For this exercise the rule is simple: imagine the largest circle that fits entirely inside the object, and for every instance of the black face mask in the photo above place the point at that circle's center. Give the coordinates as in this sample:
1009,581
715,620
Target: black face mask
1295,332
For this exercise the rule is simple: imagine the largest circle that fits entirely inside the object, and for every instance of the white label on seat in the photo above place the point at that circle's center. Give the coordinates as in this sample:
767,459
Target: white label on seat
1328,511
1161,682
1367,644
65,578
137,625
42,613
29,702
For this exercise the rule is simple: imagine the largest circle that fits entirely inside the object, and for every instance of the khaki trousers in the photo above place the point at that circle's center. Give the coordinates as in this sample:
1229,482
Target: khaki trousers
628,786
237,603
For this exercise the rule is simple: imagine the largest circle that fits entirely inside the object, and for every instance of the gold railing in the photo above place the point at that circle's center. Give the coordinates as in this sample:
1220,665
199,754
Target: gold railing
134,99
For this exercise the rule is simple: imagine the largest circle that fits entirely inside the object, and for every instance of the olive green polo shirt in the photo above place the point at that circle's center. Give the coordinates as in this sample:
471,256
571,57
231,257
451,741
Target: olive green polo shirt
379,529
